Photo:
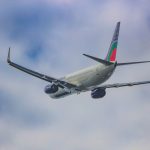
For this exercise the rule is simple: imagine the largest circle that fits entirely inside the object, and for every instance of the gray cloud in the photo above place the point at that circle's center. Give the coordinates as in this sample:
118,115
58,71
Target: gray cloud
46,35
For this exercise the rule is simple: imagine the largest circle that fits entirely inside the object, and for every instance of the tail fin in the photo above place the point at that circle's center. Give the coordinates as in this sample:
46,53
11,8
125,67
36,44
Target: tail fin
111,56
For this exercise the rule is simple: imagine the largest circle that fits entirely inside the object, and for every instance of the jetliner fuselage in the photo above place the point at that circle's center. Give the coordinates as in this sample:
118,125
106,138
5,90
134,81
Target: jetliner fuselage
85,79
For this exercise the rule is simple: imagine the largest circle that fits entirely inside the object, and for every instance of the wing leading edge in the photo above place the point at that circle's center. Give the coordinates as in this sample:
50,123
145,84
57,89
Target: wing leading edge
60,83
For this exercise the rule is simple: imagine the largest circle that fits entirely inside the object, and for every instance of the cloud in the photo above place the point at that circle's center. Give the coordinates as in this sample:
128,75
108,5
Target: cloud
45,36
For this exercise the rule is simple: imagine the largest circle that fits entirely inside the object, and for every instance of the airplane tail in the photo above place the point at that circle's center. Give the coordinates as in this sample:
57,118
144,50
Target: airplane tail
111,56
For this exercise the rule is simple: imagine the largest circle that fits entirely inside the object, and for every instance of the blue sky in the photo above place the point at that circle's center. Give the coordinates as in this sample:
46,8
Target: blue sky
50,36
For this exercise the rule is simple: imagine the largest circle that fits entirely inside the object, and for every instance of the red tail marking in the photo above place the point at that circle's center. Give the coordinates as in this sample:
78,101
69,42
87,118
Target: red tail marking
113,55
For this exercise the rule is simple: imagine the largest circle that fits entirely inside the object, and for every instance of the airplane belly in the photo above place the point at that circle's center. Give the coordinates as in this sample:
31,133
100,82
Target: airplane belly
86,78
94,79
98,77
90,77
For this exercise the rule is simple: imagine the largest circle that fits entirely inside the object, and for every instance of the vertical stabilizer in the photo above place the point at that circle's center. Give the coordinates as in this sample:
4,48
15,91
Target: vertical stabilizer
111,56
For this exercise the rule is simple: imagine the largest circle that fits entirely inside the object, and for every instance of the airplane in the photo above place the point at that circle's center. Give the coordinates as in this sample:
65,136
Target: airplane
88,79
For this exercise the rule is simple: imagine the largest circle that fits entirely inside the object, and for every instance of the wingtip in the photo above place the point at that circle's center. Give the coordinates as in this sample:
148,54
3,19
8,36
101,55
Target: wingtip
8,58
86,55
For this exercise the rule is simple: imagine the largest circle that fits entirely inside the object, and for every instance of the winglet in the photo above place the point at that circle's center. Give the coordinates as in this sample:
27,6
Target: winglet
8,58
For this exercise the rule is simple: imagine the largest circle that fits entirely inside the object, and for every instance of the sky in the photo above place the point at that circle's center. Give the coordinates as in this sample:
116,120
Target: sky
50,36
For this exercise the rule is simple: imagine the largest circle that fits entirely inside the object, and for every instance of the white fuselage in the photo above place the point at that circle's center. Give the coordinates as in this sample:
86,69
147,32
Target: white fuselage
85,79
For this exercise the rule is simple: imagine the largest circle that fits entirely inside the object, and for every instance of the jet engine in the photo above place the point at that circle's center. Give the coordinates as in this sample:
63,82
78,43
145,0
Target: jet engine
98,93
50,89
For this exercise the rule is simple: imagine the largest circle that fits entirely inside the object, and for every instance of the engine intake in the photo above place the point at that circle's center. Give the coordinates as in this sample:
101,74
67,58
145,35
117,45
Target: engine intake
98,93
50,89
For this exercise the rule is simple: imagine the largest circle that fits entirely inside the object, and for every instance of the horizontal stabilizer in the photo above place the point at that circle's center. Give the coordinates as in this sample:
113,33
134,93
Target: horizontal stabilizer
132,63
105,62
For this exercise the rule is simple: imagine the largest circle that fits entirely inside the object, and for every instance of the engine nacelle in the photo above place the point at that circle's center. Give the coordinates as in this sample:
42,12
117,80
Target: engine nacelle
50,89
98,93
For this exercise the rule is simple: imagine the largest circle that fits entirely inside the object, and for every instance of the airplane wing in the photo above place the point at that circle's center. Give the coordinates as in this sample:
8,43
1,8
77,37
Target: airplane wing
60,83
117,85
